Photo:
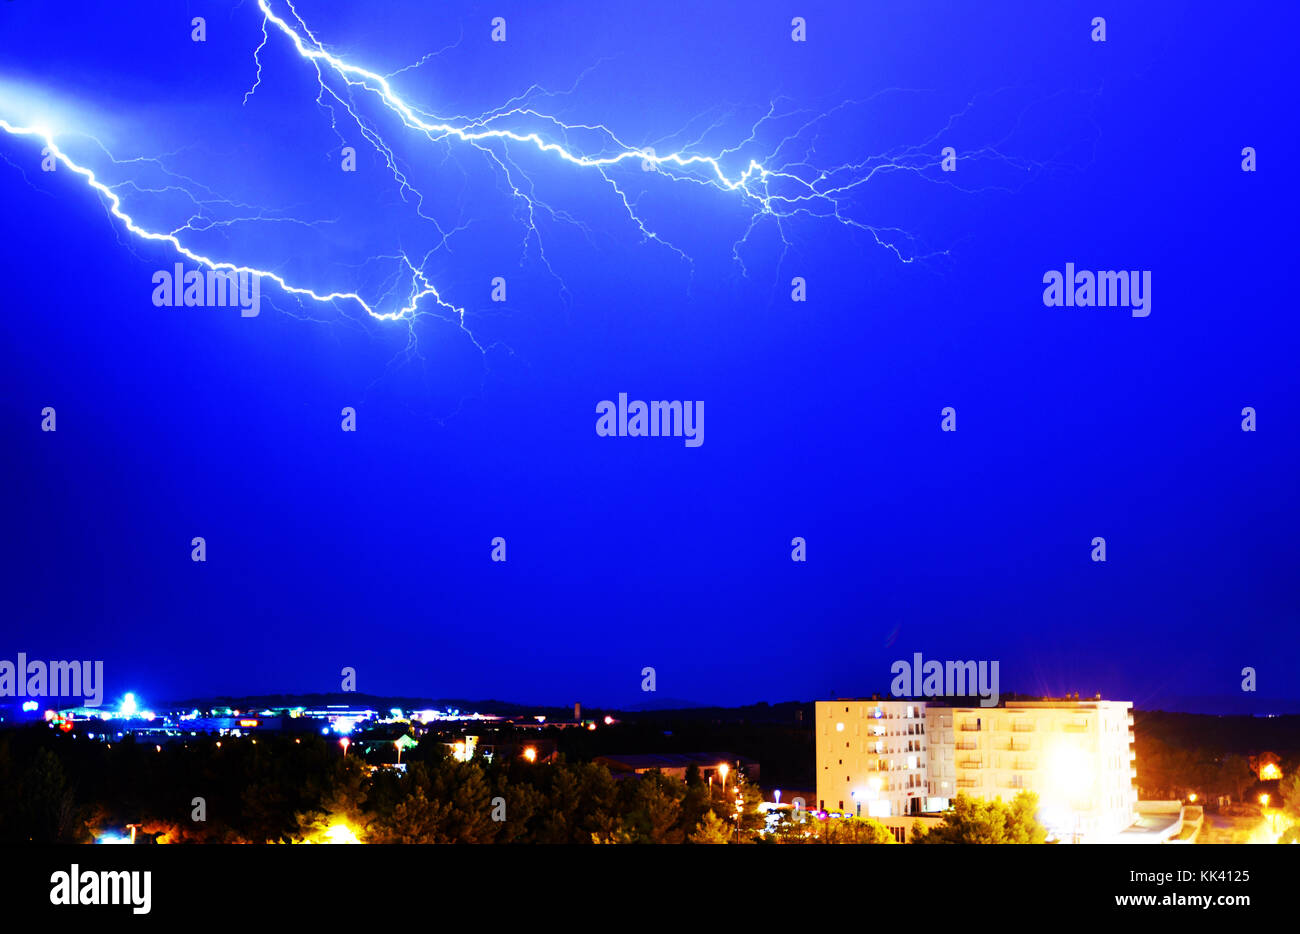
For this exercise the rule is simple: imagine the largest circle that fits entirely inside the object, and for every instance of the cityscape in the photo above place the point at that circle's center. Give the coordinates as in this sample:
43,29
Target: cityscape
329,770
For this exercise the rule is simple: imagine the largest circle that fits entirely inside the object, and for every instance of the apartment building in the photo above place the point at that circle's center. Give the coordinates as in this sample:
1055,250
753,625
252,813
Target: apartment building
1076,755
871,757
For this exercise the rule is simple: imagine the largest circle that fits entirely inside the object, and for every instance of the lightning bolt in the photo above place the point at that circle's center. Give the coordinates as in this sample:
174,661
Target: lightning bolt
777,187
114,203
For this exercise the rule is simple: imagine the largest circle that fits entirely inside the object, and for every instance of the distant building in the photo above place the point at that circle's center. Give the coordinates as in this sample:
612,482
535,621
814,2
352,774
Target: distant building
676,764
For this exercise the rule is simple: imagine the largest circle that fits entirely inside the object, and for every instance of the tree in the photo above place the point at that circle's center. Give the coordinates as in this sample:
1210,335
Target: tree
710,830
655,807
857,830
1288,789
342,803
1236,776
415,819
47,811
973,821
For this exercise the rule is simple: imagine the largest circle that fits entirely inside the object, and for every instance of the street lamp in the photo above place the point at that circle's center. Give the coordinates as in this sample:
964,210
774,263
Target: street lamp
344,743
723,769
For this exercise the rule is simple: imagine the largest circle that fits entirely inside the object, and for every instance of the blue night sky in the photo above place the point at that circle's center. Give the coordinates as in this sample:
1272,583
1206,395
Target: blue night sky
371,549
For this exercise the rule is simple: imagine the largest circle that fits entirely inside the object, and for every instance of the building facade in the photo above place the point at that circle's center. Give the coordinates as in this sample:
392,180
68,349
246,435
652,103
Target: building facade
871,757
1077,756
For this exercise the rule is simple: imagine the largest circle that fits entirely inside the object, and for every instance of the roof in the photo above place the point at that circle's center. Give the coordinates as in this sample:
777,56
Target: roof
638,761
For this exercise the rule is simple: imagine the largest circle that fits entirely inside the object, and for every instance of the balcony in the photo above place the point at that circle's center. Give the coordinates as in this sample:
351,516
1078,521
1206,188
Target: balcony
1075,727
970,727
968,783
968,744
1019,745
970,764
1022,728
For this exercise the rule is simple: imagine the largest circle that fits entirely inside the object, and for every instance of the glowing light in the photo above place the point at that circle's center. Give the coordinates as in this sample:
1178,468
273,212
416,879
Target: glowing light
339,833
1269,772
128,706
1070,770
530,754
29,706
